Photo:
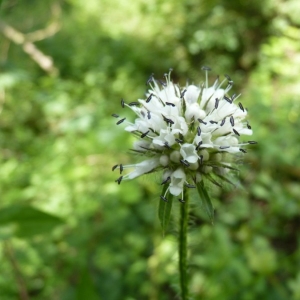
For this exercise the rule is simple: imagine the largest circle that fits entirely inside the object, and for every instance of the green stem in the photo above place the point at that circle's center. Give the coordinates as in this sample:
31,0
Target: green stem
184,215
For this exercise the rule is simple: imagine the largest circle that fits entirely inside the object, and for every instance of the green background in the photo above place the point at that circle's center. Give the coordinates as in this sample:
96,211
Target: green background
67,230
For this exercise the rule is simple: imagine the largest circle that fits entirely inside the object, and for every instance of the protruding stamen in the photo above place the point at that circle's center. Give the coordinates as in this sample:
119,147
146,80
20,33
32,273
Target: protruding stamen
121,121
224,147
213,122
252,142
190,186
179,141
217,103
232,121
171,104
149,98
150,79
223,122
243,150
163,198
181,200
248,126
168,121
115,115
201,121
241,106
166,144
114,167
185,163
166,180
205,68
149,115
144,134
227,99
119,179
133,103
182,94
121,168
235,132
122,103
199,145
198,130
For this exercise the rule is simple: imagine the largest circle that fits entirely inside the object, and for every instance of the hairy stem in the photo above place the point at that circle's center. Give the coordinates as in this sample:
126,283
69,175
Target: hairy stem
184,214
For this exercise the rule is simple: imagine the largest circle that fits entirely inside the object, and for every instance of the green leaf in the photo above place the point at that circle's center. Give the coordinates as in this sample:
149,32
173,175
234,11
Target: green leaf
29,221
164,210
206,202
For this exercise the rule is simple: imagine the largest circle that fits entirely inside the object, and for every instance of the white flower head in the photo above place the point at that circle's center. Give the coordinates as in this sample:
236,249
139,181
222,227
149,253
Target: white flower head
188,133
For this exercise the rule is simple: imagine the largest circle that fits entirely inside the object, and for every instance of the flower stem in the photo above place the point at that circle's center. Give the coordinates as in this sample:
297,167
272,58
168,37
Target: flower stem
184,214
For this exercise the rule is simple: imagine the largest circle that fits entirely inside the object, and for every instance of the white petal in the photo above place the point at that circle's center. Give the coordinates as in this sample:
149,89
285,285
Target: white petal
177,180
143,167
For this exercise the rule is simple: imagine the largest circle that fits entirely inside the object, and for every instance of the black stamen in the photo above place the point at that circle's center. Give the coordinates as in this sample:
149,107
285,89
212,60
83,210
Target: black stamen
114,167
171,104
201,121
252,142
191,186
163,198
228,77
185,163
243,150
198,146
198,131
241,106
181,200
205,68
121,168
217,103
149,115
182,94
224,147
166,180
133,103
166,144
223,122
122,103
179,141
144,134
168,121
121,121
162,83
227,99
248,126
150,79
119,179
232,121
115,115
235,132
149,98
213,122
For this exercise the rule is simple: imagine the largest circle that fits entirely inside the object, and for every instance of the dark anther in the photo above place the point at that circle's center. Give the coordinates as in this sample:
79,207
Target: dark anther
134,103
163,198
171,104
224,147
252,142
223,122
162,83
235,132
217,103
179,141
166,144
149,115
241,106
182,94
181,200
213,122
243,150
119,179
248,126
121,121
166,180
232,121
168,121
149,98
121,168
115,115
198,130
228,77
122,103
201,121
205,68
190,186
185,163
199,145
227,99
144,134
114,167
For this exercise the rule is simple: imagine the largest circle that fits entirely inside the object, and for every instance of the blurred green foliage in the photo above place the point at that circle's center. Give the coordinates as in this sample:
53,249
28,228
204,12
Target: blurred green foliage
67,230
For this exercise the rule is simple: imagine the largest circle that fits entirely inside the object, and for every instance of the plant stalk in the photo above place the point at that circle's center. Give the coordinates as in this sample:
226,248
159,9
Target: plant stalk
183,228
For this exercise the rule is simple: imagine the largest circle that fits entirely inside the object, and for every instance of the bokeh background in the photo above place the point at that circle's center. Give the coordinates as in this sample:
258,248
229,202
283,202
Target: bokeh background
67,230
